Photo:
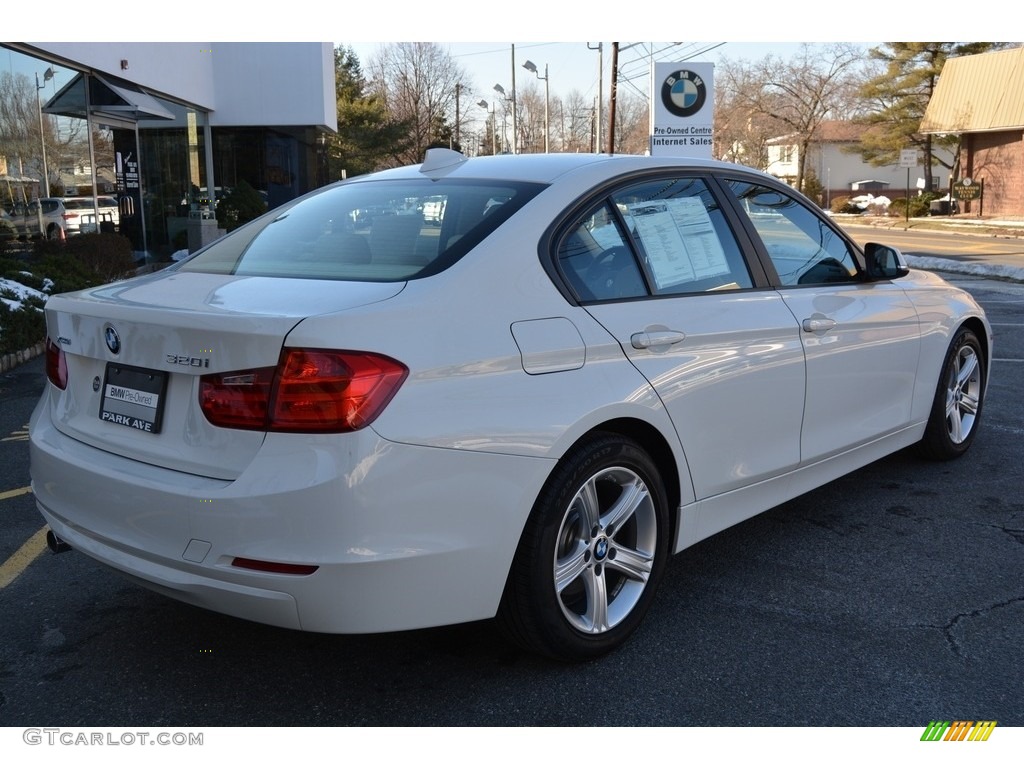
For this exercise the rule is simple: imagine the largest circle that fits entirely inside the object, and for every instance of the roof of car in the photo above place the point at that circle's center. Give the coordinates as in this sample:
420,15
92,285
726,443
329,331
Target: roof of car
541,168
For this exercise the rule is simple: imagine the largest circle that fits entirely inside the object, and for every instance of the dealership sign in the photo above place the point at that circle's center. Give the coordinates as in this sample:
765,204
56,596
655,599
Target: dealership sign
682,110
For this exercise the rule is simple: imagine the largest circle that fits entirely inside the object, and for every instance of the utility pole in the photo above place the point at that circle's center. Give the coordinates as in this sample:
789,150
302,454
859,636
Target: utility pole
458,89
611,100
600,86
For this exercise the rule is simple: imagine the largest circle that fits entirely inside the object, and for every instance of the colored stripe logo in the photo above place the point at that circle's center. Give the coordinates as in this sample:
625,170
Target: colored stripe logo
958,730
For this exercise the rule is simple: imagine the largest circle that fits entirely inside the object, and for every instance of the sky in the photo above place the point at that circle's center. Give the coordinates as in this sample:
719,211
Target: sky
538,30
574,65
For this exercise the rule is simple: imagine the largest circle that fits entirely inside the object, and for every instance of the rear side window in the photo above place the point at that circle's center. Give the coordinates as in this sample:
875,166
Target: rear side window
661,237
378,231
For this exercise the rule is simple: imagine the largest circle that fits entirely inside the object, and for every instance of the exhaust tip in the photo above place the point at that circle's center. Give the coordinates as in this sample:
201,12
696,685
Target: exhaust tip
56,544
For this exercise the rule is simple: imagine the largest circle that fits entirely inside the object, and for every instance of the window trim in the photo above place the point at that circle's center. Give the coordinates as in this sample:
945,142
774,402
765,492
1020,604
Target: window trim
602,194
759,247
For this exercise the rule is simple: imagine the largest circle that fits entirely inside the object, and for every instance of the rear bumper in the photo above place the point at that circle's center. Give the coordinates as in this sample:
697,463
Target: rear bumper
403,536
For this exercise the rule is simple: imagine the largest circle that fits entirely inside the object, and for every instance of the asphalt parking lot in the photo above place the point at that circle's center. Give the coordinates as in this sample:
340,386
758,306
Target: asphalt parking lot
891,597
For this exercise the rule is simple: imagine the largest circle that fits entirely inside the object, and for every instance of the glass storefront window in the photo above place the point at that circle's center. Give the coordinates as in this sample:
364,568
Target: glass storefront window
161,162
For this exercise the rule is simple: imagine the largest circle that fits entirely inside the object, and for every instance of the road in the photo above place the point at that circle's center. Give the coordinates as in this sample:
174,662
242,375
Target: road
891,597
979,249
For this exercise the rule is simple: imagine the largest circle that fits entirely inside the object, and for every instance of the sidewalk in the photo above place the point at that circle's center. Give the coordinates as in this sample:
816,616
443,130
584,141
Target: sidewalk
964,223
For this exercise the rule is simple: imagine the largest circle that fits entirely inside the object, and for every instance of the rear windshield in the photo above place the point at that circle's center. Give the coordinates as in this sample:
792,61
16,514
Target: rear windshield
378,231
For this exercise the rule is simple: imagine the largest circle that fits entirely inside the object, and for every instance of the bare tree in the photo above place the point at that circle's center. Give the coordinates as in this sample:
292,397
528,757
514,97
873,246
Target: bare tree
573,123
19,126
421,84
819,83
741,130
530,118
632,123
21,143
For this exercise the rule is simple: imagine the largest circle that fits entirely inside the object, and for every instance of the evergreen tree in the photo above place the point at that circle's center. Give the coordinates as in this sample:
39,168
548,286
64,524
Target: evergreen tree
898,96
367,135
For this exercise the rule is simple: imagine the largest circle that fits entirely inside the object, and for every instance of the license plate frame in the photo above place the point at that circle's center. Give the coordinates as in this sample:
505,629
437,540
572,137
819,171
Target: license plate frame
133,397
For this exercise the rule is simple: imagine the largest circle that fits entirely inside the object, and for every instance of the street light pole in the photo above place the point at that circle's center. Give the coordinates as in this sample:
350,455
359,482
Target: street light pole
504,111
529,66
494,138
47,76
515,124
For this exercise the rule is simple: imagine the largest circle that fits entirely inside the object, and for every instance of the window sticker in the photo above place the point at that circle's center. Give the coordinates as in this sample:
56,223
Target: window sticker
680,240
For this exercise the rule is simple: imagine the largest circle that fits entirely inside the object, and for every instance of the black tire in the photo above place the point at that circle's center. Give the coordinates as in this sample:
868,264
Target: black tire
959,397
591,554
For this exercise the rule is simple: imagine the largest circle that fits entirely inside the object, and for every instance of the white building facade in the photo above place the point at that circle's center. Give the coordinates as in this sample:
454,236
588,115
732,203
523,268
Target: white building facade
840,170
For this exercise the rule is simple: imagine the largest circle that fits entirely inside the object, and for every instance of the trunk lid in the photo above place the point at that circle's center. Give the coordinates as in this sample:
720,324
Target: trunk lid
135,352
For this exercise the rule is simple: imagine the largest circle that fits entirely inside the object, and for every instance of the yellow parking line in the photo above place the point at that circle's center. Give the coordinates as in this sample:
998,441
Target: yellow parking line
18,434
15,492
20,560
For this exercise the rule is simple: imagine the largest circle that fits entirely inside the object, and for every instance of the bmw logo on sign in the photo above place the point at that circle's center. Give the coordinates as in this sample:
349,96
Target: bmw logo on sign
112,339
683,93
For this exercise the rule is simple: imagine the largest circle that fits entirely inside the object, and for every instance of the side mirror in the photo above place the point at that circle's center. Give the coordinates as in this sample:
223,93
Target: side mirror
885,262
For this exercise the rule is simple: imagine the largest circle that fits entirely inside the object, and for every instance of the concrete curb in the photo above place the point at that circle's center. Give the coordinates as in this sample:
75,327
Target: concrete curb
12,359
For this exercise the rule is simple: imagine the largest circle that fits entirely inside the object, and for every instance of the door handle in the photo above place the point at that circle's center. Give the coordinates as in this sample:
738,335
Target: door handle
652,338
818,324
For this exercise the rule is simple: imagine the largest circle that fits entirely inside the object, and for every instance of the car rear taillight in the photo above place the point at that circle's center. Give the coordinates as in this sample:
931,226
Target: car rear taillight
310,390
56,365
240,400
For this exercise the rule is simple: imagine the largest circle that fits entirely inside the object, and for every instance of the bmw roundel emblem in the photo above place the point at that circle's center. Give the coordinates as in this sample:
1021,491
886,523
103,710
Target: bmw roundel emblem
601,550
683,93
112,339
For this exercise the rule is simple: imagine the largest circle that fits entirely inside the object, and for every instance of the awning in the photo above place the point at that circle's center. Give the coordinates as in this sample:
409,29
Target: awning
107,96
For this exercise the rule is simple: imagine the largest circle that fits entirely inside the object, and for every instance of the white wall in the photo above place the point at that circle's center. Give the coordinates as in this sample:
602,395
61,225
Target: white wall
836,169
839,169
239,83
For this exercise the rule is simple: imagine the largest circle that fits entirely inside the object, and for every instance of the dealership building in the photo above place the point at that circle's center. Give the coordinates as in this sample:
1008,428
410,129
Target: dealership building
165,128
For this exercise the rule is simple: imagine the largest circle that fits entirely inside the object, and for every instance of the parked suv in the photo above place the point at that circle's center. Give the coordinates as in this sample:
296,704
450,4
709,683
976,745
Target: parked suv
50,223
8,226
80,214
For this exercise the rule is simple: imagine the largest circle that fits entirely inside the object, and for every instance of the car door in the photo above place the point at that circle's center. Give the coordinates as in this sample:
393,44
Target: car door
861,338
657,264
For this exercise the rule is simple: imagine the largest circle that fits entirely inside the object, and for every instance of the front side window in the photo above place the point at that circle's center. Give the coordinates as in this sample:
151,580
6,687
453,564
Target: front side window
663,237
378,231
802,246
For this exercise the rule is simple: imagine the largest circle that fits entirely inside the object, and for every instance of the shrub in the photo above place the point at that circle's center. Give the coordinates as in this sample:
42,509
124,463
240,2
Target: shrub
23,327
240,206
843,205
813,187
107,256
918,206
55,267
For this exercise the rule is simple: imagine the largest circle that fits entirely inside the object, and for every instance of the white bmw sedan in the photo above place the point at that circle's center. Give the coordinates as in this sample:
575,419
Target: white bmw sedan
352,424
